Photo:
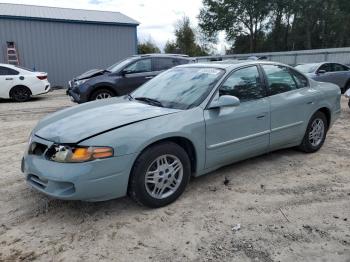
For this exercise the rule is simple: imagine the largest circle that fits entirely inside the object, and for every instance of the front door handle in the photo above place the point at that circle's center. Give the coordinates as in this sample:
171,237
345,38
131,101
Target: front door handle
260,117
9,79
149,77
310,102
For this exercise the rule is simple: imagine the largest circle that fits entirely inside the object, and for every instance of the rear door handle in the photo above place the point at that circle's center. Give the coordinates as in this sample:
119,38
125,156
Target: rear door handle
8,78
260,117
310,102
149,77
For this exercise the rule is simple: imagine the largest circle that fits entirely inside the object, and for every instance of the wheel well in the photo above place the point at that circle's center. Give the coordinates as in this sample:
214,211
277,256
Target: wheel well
186,144
102,87
10,93
327,113
347,85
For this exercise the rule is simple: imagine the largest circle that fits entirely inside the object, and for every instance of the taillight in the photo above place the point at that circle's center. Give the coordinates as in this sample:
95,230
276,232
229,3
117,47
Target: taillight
42,77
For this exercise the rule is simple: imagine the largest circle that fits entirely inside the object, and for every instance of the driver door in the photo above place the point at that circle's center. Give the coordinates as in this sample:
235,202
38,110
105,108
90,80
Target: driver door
236,133
136,75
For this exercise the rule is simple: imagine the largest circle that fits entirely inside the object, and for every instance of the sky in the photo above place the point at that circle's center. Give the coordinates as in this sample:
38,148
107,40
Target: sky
157,17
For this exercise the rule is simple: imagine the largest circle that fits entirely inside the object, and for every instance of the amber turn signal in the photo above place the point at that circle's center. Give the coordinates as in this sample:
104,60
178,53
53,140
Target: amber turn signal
83,154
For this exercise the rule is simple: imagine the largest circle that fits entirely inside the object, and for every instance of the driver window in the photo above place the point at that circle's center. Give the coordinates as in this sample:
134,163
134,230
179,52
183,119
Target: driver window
140,66
244,84
325,67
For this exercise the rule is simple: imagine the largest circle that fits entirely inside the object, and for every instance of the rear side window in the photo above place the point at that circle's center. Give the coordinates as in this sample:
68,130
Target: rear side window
279,79
244,84
161,64
4,71
181,61
299,79
339,68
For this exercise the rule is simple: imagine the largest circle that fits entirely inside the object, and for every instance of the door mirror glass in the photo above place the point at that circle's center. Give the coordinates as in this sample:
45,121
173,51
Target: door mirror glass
225,101
125,72
321,72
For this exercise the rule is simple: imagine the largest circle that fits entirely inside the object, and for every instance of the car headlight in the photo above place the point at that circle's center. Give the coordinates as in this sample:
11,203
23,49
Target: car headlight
68,154
80,82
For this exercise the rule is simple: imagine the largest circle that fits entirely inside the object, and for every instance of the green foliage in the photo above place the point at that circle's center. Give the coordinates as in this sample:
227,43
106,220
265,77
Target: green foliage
277,25
147,47
185,40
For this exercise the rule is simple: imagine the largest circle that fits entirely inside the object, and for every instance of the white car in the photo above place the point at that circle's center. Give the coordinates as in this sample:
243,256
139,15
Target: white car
20,84
347,95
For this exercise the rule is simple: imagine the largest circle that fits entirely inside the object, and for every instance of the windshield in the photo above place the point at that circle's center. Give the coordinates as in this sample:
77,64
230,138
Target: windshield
180,88
120,65
307,68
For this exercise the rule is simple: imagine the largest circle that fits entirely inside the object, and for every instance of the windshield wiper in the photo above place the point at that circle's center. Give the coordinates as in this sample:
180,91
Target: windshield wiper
150,101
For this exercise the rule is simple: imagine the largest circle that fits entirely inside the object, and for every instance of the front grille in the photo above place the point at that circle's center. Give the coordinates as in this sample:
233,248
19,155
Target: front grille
37,149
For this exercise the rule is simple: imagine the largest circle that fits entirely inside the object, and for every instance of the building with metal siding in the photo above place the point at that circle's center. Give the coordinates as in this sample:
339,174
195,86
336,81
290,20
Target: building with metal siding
66,42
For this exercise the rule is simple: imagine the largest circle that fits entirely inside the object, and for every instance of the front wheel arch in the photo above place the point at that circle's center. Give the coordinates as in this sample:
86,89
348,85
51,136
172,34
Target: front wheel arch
181,141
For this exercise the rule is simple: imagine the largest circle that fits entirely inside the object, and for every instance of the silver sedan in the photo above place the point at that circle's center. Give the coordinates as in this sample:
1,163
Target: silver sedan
328,72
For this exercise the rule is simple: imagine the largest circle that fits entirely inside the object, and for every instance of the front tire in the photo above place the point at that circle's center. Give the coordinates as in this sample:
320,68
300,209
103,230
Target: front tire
101,94
20,93
160,175
315,134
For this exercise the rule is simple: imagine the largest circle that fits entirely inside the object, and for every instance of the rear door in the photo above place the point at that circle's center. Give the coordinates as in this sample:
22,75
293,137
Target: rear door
291,100
335,73
7,80
340,75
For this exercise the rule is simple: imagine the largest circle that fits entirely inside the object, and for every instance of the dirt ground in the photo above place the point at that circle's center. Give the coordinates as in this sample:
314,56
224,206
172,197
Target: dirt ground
290,206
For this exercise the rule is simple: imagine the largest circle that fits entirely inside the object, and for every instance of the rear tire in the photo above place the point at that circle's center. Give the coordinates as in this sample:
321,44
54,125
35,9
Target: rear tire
101,94
315,134
160,175
20,93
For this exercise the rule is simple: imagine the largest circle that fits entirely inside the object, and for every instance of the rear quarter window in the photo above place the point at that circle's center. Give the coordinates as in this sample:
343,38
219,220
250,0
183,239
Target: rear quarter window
165,63
5,71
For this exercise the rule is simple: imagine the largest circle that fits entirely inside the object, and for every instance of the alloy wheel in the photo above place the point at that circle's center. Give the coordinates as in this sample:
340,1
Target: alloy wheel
317,132
103,95
164,176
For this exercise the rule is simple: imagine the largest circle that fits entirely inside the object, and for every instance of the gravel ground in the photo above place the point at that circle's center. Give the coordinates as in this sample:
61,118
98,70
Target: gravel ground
290,206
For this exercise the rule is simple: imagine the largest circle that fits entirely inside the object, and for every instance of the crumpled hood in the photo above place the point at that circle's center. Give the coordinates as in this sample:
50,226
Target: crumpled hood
90,73
84,121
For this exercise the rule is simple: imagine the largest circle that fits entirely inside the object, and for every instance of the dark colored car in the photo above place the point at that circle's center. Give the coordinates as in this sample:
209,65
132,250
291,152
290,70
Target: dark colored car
122,77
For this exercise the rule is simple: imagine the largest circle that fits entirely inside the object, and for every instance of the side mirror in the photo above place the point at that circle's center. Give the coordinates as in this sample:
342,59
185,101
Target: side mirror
225,101
321,72
125,72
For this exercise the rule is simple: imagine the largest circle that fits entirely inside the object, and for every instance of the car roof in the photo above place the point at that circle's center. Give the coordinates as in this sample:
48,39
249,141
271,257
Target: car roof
8,65
164,55
230,64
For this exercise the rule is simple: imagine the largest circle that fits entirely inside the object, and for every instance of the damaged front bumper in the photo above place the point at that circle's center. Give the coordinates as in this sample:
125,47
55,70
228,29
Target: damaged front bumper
97,180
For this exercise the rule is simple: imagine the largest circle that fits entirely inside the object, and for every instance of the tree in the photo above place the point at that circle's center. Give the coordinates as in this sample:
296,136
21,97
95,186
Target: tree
171,48
236,17
185,40
147,47
277,25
